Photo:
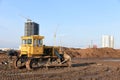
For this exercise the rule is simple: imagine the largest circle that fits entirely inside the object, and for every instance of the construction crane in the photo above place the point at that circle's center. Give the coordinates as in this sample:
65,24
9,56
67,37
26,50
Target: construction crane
55,34
28,19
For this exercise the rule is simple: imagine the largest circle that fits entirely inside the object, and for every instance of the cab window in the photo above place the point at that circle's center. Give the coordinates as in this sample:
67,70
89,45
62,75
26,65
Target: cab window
29,41
38,42
24,41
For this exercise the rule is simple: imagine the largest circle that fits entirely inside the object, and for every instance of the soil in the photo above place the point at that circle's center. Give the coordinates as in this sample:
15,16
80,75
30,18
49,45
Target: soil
93,52
87,64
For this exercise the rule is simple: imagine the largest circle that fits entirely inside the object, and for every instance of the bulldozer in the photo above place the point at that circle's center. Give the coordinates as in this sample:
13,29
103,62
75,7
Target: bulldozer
34,54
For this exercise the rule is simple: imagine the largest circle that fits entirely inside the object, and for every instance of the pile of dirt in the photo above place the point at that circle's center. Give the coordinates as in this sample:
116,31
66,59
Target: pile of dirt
93,52
84,53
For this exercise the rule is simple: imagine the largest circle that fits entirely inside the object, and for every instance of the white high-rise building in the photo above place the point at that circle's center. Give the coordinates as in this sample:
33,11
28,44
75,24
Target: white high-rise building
108,41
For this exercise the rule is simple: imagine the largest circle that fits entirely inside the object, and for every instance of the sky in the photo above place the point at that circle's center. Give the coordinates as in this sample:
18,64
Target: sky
76,23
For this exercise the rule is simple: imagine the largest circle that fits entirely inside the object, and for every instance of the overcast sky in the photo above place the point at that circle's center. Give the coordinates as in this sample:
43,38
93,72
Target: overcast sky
76,22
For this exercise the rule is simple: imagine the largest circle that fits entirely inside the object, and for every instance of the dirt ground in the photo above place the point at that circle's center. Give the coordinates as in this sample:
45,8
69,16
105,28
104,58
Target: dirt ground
90,68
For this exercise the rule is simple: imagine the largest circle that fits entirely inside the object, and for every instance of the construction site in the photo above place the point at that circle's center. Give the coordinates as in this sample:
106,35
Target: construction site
85,44
35,61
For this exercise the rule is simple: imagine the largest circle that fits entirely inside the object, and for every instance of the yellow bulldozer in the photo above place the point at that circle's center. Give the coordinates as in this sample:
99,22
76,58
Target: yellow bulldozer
34,54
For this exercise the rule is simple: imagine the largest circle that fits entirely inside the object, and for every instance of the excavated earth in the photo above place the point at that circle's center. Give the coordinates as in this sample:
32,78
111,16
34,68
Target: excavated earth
87,64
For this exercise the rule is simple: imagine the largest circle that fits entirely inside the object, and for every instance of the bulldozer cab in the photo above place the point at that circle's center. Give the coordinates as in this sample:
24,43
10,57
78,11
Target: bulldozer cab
32,45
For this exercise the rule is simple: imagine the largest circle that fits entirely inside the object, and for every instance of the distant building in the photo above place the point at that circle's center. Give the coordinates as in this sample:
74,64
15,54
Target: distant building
31,28
108,41
7,49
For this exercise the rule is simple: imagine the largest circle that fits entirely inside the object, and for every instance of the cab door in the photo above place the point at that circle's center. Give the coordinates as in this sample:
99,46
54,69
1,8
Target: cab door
26,47
37,46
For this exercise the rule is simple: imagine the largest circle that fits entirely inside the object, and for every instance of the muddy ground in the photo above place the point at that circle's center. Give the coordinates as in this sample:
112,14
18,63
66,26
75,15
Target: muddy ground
82,69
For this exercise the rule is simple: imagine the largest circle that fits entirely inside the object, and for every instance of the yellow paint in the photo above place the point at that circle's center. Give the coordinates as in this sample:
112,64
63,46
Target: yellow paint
32,45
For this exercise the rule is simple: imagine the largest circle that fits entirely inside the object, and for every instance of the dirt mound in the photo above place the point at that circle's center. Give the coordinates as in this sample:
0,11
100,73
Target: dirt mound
85,53
93,52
